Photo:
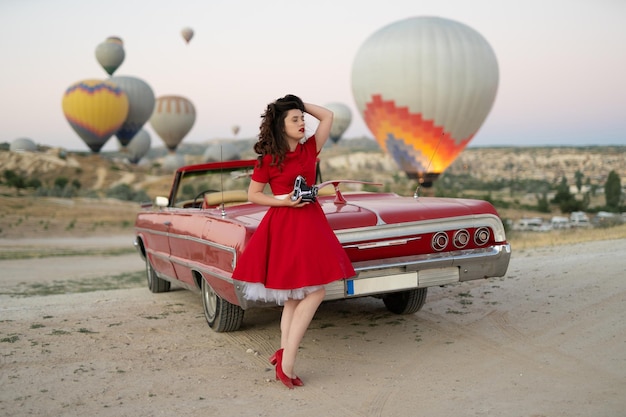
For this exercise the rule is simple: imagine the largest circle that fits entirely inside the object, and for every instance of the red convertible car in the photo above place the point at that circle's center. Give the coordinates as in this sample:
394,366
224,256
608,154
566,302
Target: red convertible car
399,246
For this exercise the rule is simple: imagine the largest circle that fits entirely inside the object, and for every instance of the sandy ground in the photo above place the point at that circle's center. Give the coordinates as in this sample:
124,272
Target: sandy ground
548,339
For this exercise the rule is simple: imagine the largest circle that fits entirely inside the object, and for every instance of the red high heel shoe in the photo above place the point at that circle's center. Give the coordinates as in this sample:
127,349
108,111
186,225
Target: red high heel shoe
274,357
297,382
282,377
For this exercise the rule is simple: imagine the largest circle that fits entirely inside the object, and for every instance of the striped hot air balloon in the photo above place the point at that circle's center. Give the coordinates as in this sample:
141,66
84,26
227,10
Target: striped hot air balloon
172,119
424,86
95,109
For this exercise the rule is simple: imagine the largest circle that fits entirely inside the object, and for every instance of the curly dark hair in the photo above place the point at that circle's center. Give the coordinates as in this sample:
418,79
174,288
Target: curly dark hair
271,140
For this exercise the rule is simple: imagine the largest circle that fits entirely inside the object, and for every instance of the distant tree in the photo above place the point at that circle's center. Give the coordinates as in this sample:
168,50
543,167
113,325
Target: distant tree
565,199
8,175
61,182
613,191
33,183
579,180
14,180
121,192
562,192
126,193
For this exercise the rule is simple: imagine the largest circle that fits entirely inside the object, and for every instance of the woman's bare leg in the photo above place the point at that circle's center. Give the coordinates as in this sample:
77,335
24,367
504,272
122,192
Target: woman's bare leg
285,321
301,313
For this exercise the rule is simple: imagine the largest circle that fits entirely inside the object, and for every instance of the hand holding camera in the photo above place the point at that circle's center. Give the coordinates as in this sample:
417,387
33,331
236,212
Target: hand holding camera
301,189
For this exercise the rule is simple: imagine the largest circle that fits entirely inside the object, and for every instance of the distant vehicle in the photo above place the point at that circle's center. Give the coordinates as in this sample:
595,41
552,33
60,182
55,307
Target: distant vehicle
399,246
606,218
579,219
560,222
534,224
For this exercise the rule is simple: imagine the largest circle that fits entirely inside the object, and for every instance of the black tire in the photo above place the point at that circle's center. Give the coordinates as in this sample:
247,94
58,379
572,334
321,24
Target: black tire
405,302
221,315
155,284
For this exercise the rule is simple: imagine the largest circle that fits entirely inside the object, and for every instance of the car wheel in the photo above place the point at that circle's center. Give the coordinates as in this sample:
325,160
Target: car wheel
155,284
405,302
221,315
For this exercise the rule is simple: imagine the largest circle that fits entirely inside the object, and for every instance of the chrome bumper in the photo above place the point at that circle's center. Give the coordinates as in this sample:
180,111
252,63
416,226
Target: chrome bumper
420,271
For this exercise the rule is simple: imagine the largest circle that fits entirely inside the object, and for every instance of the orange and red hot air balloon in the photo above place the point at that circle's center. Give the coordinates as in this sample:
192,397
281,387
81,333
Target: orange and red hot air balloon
424,86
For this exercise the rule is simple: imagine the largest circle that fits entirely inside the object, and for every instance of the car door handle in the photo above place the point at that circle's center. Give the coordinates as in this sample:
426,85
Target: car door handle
168,223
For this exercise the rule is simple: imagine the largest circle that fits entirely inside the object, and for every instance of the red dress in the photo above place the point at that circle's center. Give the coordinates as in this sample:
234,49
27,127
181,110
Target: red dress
294,251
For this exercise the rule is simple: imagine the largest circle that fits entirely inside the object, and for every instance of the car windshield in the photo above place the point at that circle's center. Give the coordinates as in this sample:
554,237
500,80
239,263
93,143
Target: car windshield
193,185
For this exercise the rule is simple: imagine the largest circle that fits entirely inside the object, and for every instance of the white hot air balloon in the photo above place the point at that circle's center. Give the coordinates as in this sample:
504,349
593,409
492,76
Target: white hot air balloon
341,121
140,106
172,162
187,34
138,146
172,119
424,86
23,145
110,54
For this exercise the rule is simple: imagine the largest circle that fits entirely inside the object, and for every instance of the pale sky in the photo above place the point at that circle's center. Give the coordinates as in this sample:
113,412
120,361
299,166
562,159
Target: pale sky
561,62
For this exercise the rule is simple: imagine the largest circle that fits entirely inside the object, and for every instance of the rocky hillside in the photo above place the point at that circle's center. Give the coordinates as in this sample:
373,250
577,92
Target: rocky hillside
101,172
547,163
23,214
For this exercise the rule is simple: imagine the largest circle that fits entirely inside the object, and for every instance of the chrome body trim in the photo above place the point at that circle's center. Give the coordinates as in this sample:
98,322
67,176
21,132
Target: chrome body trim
397,231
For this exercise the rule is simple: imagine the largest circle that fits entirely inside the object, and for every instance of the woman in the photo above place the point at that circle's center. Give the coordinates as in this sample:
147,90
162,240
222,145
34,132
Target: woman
294,252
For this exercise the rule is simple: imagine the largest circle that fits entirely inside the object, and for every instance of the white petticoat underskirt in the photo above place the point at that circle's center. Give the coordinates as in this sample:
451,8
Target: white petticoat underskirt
258,292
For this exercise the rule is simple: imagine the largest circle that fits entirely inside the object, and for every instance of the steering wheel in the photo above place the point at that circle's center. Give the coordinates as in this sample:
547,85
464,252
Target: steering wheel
202,193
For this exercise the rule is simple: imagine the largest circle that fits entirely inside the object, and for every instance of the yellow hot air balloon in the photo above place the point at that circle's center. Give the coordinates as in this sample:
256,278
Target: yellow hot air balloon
172,119
95,109
341,121
187,34
424,86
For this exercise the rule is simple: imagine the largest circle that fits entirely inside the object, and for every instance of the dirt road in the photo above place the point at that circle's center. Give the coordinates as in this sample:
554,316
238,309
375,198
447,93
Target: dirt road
548,339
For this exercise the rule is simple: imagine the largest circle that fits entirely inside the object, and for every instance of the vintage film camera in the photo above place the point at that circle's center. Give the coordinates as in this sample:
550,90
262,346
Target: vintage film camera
300,189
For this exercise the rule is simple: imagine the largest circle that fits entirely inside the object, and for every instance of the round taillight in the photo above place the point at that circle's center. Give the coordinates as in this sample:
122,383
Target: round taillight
481,236
461,238
440,241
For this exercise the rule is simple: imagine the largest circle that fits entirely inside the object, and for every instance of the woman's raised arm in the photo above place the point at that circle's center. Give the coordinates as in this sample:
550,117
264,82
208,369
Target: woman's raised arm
325,118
